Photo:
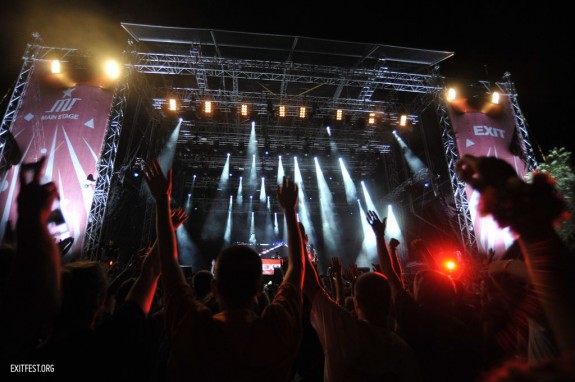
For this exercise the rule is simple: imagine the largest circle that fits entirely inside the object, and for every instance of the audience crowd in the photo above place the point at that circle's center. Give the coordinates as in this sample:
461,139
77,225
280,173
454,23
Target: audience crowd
508,317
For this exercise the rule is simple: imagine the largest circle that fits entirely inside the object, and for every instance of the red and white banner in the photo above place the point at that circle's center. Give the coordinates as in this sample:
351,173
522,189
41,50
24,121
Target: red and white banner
67,125
486,133
269,266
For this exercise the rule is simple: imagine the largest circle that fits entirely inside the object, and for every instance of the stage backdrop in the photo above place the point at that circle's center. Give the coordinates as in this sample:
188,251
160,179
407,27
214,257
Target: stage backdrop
67,125
486,130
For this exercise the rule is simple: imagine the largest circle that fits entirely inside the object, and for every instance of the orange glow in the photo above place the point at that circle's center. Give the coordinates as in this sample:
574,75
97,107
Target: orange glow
450,265
208,107
371,119
112,69
403,120
56,67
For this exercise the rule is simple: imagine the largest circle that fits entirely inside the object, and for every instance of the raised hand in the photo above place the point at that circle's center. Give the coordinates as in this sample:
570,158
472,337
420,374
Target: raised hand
179,216
34,199
287,197
287,194
352,273
393,243
377,225
160,185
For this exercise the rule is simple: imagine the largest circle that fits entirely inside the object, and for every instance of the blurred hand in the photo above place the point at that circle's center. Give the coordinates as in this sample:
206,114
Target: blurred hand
179,216
159,184
377,225
352,273
34,199
524,207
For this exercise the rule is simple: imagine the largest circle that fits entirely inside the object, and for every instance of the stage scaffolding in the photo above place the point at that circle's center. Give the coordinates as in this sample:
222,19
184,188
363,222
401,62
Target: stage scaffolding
264,72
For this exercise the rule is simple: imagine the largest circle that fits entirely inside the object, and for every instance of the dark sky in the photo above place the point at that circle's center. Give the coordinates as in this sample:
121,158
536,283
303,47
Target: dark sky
532,42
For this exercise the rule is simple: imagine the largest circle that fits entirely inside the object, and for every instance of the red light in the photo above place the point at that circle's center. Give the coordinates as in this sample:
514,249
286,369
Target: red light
450,265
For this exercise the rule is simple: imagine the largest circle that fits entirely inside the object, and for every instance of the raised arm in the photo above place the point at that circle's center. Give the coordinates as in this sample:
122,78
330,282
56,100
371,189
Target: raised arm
161,189
393,244
144,288
338,280
32,297
287,196
383,257
312,283
531,210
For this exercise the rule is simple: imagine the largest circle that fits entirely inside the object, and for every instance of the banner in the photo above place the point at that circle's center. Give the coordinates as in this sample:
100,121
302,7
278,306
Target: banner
489,131
67,125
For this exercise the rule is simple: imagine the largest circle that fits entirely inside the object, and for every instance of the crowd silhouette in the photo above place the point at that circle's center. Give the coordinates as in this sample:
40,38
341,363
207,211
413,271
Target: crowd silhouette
509,319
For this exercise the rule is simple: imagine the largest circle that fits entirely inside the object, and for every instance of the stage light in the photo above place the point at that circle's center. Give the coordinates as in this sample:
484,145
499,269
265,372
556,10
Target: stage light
495,97
371,119
339,115
172,104
244,110
208,107
282,111
450,265
112,69
403,120
302,112
56,67
451,94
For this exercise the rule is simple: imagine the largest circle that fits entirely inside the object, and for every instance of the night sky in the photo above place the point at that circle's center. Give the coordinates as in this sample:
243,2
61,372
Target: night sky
488,38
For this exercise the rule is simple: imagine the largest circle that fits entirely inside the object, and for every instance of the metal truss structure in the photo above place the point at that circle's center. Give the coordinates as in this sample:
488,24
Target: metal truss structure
264,72
105,168
35,51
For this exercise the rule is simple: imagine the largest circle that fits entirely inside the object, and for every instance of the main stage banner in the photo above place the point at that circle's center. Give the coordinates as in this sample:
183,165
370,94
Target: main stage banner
489,131
67,125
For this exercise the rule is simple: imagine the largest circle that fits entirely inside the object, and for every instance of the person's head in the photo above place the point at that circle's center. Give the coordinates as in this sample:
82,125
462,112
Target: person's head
201,282
84,287
238,276
433,289
372,297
